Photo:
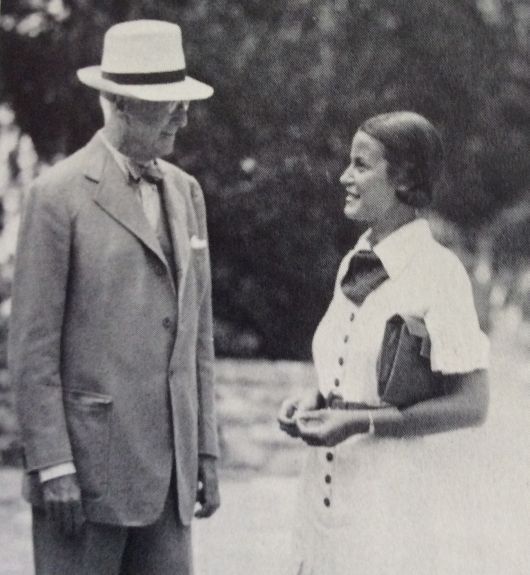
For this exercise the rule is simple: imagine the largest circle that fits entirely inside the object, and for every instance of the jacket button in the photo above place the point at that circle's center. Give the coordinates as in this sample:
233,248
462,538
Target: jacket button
352,316
337,383
327,502
329,456
328,479
346,338
341,361
166,322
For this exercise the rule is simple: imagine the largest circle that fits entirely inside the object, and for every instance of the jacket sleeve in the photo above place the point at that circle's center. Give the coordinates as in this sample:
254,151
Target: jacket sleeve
38,302
208,439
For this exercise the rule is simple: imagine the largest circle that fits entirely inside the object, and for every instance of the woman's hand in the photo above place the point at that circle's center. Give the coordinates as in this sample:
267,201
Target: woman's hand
328,427
308,401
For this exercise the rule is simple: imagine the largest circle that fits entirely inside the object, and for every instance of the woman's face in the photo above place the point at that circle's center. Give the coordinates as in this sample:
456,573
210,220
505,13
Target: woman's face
370,195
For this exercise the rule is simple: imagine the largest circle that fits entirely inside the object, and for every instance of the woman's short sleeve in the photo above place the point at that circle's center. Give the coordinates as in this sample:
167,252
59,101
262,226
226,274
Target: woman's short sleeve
457,343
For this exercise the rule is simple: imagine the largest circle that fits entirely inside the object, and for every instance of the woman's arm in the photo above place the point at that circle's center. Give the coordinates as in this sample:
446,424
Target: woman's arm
465,404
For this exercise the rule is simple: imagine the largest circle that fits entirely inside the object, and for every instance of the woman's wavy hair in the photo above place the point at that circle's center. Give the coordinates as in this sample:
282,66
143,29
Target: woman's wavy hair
414,152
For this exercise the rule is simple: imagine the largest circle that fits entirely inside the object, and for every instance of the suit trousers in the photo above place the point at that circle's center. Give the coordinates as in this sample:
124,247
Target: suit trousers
162,548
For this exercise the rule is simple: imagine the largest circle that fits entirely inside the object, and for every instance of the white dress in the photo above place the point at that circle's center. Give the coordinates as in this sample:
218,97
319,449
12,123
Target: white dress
381,506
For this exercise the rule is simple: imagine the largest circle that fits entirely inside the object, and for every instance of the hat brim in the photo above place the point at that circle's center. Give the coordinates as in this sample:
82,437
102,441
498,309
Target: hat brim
188,89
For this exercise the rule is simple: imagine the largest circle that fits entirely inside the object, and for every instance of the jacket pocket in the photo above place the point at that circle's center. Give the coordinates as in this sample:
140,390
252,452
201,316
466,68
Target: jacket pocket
88,416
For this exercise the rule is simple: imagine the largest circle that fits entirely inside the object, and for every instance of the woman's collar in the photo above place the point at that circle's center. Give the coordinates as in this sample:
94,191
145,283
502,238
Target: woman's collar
398,248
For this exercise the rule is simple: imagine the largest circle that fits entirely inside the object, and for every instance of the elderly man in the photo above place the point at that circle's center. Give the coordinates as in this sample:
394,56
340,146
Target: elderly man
111,346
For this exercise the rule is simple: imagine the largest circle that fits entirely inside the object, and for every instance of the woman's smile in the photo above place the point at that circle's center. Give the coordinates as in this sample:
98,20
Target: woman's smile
352,193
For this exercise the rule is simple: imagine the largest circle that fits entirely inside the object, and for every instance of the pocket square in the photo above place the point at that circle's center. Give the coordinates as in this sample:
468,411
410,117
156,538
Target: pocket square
197,243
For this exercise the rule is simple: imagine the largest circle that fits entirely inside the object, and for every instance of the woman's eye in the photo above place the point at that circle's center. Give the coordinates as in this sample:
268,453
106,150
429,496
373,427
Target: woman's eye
360,165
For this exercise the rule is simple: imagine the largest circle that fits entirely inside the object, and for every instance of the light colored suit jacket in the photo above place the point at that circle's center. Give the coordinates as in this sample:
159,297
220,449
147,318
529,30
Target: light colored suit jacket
110,361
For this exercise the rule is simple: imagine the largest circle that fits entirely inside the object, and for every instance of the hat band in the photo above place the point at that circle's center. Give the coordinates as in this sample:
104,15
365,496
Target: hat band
147,78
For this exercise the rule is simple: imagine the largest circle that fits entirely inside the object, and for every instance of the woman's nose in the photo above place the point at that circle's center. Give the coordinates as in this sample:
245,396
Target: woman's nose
347,177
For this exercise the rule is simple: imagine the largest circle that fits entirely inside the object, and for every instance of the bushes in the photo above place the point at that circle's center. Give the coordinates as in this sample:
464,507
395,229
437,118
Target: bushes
293,79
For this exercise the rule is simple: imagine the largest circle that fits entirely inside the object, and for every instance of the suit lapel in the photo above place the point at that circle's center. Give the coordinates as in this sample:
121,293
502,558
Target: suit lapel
178,225
116,198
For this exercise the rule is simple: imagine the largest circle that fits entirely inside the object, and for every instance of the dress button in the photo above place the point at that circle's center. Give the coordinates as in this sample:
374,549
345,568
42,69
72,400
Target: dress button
346,338
166,322
328,479
341,361
337,383
329,456
327,502
352,316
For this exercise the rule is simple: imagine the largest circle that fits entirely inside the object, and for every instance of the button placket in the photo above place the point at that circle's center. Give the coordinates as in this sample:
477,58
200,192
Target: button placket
343,355
330,458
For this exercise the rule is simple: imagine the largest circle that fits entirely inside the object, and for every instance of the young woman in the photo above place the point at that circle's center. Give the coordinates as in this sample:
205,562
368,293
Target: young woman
372,473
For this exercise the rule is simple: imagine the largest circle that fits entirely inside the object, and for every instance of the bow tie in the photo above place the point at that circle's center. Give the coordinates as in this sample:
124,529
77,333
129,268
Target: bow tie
365,273
150,172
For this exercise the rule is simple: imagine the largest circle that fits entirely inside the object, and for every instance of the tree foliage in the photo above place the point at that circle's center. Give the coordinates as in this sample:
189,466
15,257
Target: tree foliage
293,79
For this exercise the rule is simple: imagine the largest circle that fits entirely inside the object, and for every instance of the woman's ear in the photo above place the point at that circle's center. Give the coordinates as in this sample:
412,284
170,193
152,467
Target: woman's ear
402,181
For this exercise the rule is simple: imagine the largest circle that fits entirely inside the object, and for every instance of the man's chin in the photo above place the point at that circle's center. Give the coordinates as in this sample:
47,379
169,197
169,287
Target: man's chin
166,146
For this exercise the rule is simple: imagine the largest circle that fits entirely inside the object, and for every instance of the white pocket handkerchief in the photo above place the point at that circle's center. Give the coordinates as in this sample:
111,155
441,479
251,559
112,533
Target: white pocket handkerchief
197,243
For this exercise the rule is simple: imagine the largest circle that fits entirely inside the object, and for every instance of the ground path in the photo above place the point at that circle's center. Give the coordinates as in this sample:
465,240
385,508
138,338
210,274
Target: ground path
250,534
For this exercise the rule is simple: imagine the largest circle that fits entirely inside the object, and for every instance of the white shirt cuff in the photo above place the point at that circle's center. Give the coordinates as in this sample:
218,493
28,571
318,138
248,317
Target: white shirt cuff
55,471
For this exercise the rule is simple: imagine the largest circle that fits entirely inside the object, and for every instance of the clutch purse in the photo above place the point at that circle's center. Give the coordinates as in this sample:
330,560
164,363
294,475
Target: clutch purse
404,369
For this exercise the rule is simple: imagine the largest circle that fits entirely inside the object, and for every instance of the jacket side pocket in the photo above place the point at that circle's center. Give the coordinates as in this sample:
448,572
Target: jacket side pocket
88,417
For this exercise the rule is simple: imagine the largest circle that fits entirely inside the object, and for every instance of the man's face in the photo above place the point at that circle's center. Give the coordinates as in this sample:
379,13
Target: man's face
151,127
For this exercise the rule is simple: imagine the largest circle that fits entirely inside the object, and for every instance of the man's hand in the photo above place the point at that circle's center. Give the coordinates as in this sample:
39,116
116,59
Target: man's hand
292,405
208,493
62,502
328,427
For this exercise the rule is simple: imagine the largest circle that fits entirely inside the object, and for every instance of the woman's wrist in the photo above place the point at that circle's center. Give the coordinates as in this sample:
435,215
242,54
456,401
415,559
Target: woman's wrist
386,420
358,423
371,424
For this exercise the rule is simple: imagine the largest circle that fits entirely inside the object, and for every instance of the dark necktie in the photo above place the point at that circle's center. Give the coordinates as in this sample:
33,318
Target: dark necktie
365,274
150,172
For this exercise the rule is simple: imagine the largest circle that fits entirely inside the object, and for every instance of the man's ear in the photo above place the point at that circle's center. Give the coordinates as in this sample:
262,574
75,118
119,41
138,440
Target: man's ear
120,103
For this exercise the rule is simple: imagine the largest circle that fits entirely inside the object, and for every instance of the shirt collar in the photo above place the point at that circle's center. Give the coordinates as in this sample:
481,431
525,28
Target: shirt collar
363,243
119,158
126,165
398,249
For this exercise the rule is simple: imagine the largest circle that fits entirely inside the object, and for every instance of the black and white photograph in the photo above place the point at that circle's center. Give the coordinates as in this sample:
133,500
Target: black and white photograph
264,287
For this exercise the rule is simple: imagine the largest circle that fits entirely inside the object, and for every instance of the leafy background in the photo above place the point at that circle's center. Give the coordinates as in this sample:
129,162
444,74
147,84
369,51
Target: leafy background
293,79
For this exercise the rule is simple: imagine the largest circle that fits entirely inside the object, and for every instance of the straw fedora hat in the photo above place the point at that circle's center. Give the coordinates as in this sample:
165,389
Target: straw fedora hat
144,59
